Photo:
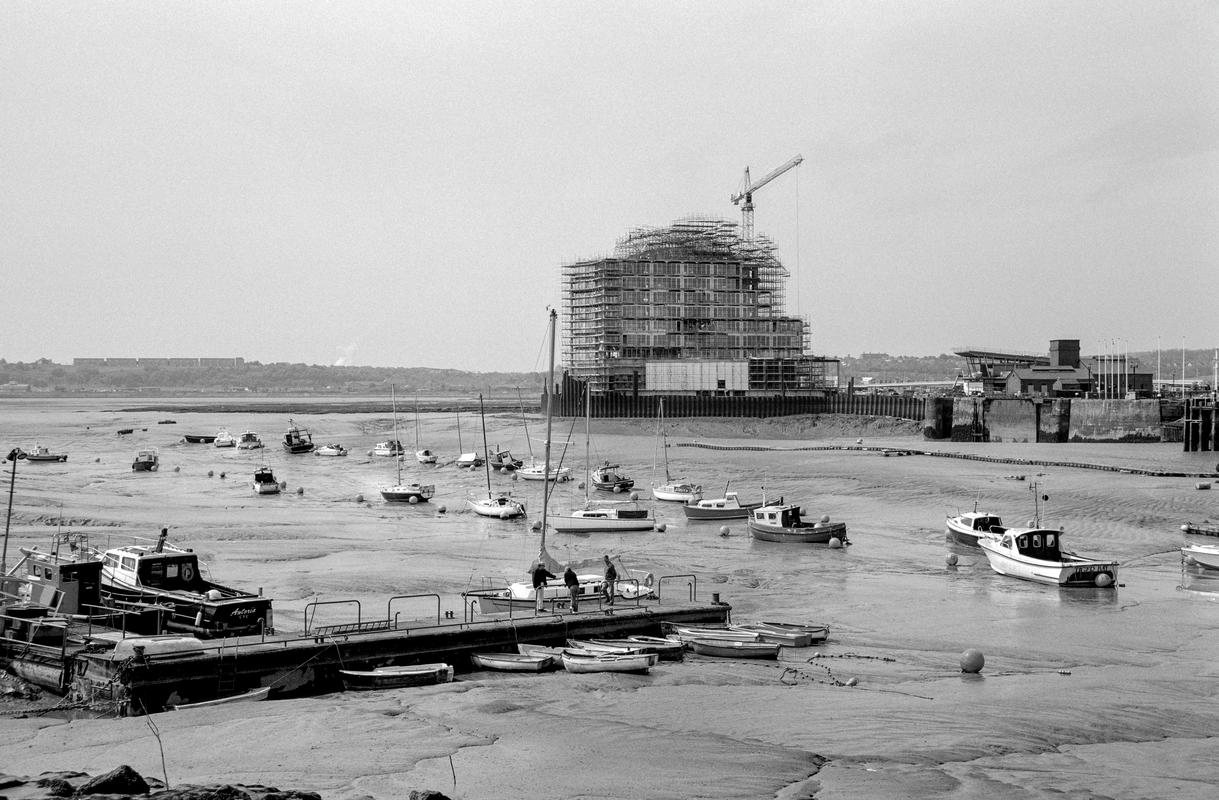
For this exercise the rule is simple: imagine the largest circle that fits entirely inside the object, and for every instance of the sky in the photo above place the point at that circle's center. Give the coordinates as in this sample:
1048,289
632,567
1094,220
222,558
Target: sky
399,183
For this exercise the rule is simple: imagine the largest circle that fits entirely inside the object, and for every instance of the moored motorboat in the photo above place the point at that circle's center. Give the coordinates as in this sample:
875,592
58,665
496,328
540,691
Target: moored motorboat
538,472
331,449
733,648
40,454
425,456
782,523
408,492
168,576
513,662
197,438
971,526
146,460
297,440
389,448
265,481
224,439
1036,554
1203,555
604,518
249,441
396,677
607,478
727,507
502,460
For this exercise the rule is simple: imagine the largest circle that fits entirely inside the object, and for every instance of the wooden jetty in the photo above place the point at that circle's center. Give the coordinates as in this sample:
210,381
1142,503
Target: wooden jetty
146,674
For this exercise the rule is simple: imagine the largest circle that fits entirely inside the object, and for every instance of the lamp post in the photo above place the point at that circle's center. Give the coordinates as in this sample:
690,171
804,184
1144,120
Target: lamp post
15,455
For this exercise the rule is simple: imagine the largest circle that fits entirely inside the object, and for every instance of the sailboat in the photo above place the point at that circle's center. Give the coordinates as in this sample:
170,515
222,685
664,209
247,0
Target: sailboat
603,517
673,489
500,505
423,456
408,492
466,460
521,594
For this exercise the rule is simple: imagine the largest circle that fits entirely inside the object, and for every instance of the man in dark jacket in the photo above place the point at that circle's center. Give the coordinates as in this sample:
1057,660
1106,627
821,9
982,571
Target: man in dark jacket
540,574
573,587
611,581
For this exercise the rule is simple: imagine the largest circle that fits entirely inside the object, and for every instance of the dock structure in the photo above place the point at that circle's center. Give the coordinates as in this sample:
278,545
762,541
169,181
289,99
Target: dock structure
124,675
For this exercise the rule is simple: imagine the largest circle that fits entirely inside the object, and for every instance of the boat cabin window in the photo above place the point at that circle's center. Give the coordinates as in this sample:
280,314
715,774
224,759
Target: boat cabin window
128,563
1041,545
166,573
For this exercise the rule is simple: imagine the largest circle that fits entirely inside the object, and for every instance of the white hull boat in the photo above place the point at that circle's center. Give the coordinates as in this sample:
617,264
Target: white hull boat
969,528
249,441
513,662
1035,554
537,472
224,439
1203,555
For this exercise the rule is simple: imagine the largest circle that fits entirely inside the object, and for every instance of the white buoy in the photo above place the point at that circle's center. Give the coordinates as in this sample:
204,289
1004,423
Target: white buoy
503,470
617,490
1104,580
825,517
413,500
724,531
852,681
1185,528
951,560
859,440
536,526
634,495
442,509
514,476
835,543
972,661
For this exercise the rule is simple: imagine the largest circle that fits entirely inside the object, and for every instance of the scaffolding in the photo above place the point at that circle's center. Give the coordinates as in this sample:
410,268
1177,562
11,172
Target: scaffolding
695,290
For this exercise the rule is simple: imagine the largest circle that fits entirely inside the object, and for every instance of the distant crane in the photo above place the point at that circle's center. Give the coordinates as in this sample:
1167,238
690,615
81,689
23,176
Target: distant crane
746,194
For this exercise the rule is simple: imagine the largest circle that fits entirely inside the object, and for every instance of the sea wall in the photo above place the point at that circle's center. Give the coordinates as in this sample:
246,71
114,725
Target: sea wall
1011,420
1115,421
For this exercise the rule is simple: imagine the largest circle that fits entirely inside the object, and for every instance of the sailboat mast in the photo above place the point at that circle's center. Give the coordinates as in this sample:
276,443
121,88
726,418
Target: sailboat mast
397,456
549,422
486,461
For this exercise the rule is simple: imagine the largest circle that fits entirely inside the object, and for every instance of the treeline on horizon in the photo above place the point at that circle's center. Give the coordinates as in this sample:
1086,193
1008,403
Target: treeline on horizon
252,376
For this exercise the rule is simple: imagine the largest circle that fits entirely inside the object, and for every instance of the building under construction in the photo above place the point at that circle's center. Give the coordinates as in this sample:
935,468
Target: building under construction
689,309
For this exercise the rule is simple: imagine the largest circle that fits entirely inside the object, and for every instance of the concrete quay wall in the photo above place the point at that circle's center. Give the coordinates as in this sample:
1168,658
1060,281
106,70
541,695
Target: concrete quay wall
1019,419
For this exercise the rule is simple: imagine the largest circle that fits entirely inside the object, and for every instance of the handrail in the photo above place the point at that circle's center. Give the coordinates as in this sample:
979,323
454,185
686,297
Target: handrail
390,603
692,583
312,606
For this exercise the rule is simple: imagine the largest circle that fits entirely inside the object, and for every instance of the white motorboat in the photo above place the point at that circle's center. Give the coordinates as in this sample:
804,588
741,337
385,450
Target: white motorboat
390,448
265,481
146,460
1203,555
1035,554
538,472
249,441
970,527
224,439
727,507
331,449
42,454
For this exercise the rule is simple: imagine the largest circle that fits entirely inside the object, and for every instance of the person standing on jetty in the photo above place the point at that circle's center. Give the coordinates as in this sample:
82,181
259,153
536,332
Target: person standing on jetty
573,587
540,575
611,581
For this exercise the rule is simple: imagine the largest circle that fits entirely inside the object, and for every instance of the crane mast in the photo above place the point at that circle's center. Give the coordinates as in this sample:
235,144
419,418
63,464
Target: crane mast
746,194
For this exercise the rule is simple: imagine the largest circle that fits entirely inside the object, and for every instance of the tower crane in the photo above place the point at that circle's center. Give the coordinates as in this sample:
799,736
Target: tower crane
746,194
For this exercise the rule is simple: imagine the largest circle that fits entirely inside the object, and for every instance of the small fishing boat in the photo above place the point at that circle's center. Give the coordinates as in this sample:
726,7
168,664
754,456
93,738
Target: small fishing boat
785,638
425,456
265,482
396,677
1203,555
686,633
331,449
502,460
733,648
40,454
605,646
1035,554
196,438
667,649
818,633
727,507
782,523
224,439
513,662
971,526
249,441
297,440
146,460
608,662
254,695
606,478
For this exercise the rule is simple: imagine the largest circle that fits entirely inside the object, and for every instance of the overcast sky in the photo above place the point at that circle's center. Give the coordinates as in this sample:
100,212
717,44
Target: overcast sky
397,183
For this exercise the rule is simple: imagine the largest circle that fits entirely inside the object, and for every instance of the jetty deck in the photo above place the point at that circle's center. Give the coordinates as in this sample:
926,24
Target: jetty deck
148,674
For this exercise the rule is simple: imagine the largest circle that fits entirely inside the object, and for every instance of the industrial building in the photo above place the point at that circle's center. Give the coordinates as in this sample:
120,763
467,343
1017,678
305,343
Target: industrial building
693,308
1062,374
